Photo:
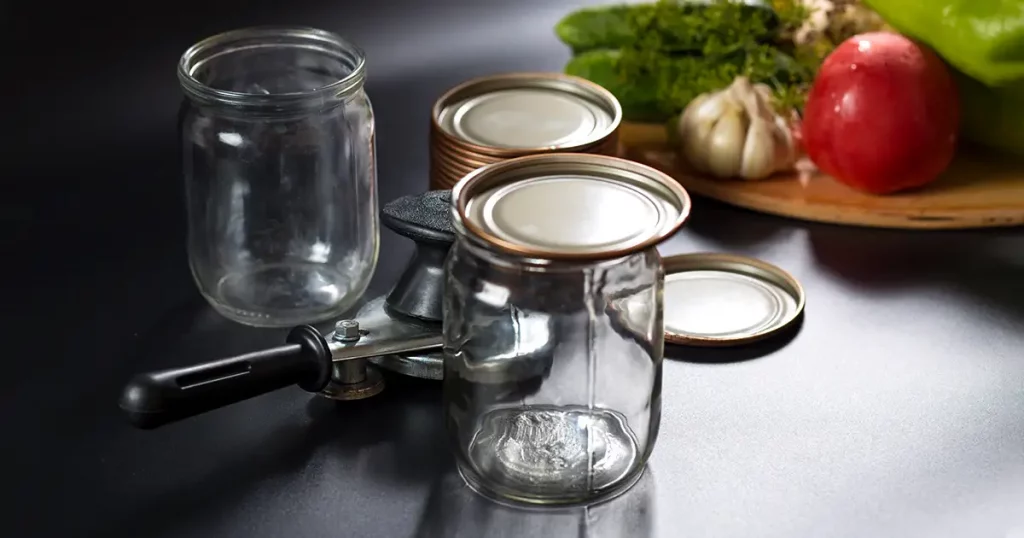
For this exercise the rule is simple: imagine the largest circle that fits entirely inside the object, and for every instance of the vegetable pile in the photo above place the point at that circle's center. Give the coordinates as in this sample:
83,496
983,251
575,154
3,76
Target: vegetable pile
658,57
734,78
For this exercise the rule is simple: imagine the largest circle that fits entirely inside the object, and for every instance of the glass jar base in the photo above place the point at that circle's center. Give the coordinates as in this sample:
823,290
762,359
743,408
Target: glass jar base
283,295
552,455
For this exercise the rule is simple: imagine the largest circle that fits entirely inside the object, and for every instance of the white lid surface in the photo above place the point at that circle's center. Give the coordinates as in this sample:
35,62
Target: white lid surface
526,118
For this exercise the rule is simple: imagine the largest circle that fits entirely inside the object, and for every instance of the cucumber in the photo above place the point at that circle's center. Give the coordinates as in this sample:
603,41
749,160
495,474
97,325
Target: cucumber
638,97
597,28
668,25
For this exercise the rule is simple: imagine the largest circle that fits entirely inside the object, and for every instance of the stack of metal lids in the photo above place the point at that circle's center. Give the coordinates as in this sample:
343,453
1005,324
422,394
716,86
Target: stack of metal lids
491,119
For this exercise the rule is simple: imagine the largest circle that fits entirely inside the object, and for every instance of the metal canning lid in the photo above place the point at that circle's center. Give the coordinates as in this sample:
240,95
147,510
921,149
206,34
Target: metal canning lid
569,206
522,113
725,299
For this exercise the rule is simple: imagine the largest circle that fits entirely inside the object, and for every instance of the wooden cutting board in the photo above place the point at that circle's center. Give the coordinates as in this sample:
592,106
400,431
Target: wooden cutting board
978,191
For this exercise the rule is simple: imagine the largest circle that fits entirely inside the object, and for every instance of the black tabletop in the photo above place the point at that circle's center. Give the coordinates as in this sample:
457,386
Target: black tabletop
896,410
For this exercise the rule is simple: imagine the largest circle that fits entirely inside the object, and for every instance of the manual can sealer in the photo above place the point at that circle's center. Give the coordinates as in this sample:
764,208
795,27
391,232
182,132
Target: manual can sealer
400,332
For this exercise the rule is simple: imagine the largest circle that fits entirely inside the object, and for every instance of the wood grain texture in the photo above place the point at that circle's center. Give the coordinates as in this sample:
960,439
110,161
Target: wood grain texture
978,191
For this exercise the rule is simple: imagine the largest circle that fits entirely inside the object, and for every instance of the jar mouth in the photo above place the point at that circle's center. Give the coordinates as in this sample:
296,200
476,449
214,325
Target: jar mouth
272,66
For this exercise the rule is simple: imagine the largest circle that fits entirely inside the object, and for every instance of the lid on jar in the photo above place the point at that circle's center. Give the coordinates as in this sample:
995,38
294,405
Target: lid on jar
713,299
527,112
569,206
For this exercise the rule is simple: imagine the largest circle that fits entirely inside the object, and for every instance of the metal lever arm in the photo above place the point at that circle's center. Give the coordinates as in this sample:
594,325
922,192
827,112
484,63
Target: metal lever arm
157,398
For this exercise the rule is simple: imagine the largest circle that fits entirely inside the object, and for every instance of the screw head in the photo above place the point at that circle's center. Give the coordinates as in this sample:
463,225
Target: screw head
346,329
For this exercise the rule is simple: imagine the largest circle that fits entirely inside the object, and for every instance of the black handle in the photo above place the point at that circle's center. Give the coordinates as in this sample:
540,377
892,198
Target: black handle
157,398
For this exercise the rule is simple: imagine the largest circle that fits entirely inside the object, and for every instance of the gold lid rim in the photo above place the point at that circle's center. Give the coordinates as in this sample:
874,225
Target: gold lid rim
605,147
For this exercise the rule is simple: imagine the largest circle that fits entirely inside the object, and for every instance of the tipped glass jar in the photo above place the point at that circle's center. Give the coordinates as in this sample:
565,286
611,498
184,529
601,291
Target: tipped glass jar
280,175
553,327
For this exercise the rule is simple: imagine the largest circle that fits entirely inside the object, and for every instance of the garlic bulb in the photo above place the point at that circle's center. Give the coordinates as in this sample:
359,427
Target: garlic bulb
819,14
736,132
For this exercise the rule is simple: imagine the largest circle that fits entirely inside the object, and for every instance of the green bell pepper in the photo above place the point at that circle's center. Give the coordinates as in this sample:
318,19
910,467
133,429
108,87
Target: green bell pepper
982,38
991,117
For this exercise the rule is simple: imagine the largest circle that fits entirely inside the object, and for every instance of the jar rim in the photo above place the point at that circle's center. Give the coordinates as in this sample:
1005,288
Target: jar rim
475,199
313,39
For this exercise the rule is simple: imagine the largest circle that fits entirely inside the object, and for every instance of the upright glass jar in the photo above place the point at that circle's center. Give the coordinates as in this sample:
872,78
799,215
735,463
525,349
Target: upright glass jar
280,174
553,330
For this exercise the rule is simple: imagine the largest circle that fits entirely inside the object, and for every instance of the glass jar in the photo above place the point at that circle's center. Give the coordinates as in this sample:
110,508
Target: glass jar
553,330
280,174
456,511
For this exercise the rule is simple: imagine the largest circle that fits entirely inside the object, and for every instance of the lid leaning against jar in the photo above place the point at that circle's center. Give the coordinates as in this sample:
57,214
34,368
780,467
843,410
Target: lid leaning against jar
569,206
512,114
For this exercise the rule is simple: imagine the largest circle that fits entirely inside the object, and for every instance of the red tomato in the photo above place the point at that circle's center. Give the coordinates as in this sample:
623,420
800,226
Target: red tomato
882,115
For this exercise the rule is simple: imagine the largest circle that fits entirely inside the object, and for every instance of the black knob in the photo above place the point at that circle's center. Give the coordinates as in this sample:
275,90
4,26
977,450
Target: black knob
426,219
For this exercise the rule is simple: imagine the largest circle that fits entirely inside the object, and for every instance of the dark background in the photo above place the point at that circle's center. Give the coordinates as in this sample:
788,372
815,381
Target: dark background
898,409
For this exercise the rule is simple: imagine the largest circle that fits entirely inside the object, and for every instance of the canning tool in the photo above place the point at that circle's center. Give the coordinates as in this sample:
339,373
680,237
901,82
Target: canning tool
710,300
400,331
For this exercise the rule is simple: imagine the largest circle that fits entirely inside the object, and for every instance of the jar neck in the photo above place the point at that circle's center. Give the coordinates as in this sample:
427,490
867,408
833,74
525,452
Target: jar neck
272,69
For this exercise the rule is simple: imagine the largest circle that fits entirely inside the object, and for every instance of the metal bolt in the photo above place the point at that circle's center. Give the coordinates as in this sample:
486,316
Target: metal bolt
346,330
